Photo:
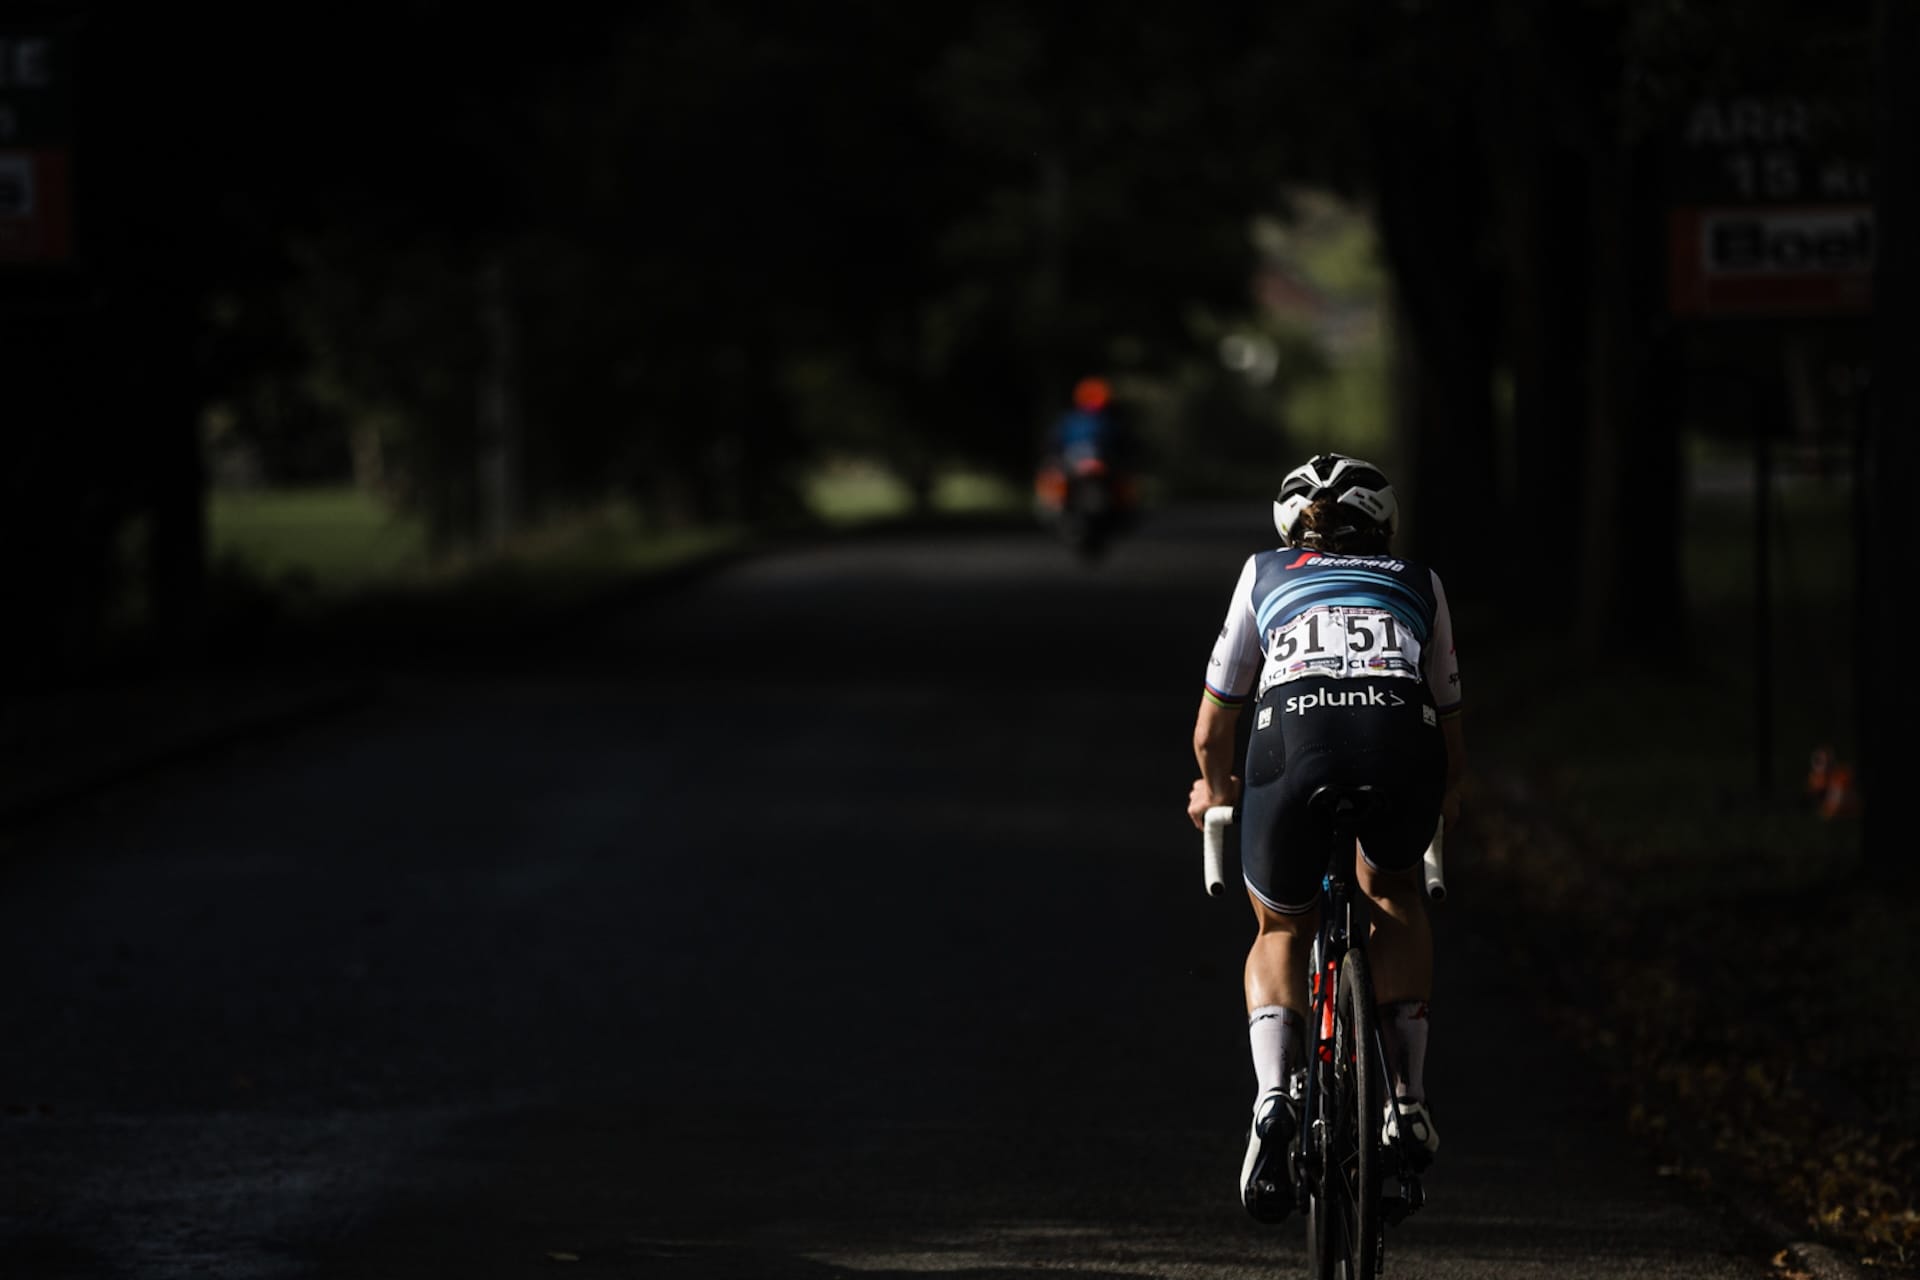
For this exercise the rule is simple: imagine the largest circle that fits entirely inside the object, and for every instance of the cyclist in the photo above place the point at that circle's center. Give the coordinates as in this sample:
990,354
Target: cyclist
1345,652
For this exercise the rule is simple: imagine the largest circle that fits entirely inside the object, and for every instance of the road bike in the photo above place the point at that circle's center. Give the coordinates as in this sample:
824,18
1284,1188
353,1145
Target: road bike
1350,1184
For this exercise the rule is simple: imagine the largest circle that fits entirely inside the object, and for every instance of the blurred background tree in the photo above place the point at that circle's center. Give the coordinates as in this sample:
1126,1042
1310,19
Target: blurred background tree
494,271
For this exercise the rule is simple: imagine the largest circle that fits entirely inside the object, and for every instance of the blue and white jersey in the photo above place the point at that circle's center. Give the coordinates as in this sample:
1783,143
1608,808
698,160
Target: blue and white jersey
1298,614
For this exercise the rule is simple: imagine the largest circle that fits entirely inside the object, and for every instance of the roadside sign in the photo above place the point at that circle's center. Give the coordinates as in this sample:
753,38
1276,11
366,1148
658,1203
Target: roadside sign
36,141
1801,260
1770,207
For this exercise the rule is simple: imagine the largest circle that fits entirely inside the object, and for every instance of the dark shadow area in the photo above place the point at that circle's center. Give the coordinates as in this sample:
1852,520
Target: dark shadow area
550,703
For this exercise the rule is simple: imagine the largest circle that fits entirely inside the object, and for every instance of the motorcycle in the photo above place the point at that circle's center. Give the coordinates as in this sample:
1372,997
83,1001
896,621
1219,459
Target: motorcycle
1085,501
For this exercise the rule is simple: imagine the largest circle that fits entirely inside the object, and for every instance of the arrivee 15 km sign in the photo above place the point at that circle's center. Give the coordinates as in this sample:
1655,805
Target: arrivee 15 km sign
1772,210
36,216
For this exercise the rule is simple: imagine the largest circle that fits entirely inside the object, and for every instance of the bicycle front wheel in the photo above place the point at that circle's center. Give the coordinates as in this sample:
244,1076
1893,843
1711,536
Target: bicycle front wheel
1343,1213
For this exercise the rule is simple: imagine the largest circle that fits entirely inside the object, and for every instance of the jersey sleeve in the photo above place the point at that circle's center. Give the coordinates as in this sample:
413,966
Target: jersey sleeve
1235,662
1443,665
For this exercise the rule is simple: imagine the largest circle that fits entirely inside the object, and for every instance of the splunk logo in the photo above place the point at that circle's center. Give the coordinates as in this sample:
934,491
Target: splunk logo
1322,561
1301,703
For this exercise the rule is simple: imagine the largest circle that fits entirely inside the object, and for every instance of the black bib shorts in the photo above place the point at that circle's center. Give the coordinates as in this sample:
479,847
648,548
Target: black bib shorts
1310,733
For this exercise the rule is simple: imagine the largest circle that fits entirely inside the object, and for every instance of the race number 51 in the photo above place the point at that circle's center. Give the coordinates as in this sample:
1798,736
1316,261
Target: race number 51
1355,633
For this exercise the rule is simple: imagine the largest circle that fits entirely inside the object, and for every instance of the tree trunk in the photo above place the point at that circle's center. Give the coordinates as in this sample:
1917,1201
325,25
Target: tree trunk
1886,704
1547,239
1630,542
1432,209
499,427
176,503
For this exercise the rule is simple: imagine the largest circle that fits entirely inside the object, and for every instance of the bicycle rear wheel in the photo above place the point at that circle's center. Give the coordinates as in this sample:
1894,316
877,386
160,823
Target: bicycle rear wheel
1343,1210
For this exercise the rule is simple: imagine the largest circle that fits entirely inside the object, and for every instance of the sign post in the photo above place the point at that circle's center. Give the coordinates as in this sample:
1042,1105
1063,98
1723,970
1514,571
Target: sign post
1772,225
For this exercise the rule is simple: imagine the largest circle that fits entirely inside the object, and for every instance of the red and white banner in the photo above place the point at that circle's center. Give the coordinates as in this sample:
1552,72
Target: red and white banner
35,200
1772,260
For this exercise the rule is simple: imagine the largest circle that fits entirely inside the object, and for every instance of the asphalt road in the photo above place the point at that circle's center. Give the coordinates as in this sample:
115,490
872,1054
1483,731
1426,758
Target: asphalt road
837,916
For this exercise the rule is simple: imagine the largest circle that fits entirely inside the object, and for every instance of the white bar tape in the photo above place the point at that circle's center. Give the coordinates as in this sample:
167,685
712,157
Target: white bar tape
1435,869
1217,820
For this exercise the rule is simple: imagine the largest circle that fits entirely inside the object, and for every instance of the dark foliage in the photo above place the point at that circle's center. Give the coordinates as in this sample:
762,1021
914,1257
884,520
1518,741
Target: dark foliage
678,252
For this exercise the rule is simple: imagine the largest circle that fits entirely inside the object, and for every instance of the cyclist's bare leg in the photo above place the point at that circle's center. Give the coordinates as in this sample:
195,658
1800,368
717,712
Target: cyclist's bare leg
1400,947
1276,990
1400,942
1277,962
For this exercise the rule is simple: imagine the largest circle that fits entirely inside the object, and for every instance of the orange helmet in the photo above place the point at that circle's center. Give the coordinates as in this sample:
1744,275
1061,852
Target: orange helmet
1091,394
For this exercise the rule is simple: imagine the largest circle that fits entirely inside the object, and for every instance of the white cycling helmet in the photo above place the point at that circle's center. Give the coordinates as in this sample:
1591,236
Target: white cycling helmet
1350,481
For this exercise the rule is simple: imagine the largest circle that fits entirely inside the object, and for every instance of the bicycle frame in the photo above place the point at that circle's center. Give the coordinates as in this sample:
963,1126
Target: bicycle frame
1342,928
1342,931
1328,949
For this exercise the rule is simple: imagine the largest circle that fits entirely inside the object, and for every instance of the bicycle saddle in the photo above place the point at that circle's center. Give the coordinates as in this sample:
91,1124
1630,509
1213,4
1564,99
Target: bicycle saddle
1345,800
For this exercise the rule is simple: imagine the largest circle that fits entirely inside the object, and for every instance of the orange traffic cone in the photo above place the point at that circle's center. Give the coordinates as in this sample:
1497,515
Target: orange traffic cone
1819,773
1830,785
1842,798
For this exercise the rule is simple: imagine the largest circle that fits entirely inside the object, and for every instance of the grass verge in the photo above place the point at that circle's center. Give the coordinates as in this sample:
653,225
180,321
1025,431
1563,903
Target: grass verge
334,570
323,539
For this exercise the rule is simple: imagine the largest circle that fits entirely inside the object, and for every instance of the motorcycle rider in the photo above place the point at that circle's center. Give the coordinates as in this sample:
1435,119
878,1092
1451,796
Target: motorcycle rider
1086,444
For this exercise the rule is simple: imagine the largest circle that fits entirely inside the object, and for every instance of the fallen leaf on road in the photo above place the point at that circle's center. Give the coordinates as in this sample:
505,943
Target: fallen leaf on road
1787,1270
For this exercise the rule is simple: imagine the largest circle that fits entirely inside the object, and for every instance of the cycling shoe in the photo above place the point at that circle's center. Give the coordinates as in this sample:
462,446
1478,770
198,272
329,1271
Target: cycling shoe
1264,1187
1413,1125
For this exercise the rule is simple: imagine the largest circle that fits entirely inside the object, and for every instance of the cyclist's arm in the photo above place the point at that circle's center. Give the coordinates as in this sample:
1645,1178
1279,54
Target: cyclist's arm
1215,733
1231,671
1443,681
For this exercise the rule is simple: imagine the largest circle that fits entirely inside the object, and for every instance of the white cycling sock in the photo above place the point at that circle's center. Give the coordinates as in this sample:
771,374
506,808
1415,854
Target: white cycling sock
1403,1028
1273,1032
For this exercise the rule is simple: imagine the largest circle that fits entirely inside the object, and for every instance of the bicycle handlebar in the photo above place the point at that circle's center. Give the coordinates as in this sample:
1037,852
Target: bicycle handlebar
1435,870
1220,817
1217,820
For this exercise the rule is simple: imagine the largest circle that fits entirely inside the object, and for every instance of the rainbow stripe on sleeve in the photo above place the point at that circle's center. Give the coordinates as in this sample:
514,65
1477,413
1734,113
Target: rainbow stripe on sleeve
1221,698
